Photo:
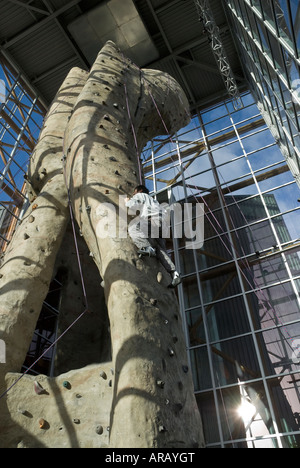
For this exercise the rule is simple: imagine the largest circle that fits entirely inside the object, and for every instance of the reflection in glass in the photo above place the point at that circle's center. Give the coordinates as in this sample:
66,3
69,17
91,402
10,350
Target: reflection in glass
240,291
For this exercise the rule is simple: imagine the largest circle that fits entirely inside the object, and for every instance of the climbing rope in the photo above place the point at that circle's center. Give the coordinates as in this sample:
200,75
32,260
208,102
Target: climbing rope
45,352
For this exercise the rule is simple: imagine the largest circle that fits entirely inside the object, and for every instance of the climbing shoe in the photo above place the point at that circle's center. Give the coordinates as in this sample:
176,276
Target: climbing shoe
176,279
147,251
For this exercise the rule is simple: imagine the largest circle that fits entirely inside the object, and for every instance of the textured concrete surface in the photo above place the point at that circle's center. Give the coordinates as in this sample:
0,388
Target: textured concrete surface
73,416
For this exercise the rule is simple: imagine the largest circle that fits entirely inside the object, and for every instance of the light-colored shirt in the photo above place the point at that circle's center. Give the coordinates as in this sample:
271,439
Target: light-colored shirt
146,205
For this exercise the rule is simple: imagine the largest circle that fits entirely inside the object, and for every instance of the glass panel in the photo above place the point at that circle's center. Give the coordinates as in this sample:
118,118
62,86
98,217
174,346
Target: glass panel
285,395
265,157
257,140
268,12
187,263
264,38
191,292
283,21
201,184
227,319
227,152
235,360
279,347
277,305
196,327
284,197
246,414
295,8
251,210
269,271
244,186
200,367
256,4
213,113
213,253
209,417
287,226
215,126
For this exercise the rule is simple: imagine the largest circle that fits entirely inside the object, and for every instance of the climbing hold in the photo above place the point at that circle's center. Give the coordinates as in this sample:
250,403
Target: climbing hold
76,421
171,352
66,384
31,219
43,424
153,301
162,428
175,339
159,277
185,369
106,117
110,383
39,390
178,407
26,236
99,430
112,158
160,383
103,375
116,105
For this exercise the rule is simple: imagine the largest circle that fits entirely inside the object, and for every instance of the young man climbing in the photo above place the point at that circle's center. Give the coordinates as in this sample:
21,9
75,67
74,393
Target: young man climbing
150,220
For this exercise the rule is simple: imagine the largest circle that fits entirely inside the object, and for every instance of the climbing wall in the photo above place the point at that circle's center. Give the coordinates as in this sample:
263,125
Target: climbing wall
86,160
70,411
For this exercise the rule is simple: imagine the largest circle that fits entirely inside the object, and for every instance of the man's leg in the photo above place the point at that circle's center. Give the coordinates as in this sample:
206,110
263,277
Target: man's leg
138,235
166,262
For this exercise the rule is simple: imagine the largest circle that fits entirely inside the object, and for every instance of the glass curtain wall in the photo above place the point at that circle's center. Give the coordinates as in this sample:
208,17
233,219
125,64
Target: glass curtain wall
240,292
21,116
268,36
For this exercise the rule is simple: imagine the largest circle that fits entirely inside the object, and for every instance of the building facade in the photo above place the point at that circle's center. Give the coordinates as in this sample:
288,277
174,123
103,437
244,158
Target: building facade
240,291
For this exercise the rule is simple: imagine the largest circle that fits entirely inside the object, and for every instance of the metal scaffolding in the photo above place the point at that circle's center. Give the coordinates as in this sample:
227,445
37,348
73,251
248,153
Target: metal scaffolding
21,116
209,25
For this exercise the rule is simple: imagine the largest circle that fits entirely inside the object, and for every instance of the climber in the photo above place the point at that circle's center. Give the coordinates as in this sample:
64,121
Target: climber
151,220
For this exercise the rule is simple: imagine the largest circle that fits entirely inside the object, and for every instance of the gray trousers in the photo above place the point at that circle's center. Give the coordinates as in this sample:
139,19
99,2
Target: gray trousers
139,233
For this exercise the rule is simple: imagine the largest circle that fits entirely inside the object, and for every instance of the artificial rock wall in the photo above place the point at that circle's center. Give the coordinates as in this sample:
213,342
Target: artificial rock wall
87,158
